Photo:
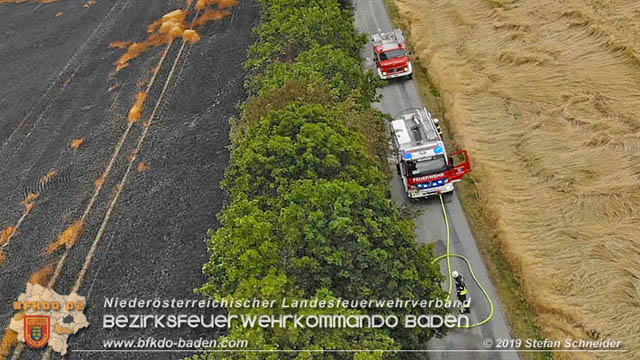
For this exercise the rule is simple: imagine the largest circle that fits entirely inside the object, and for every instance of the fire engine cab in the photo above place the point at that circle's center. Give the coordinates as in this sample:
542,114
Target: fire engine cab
390,55
422,160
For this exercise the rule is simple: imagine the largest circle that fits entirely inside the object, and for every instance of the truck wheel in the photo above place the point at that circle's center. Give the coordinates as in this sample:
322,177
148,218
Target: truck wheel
410,76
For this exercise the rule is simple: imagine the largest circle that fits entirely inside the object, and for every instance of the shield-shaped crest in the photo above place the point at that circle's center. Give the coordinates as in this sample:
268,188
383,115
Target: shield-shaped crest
36,330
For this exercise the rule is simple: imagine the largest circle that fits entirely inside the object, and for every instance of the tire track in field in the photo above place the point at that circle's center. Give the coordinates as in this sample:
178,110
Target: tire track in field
97,190
121,185
55,80
31,194
74,62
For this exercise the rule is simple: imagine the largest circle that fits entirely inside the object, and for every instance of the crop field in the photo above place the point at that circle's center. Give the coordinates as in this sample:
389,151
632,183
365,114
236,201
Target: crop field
546,96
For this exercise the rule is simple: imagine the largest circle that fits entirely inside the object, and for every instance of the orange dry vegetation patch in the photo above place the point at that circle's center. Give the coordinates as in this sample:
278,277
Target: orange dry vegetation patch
222,4
9,340
28,207
119,44
76,143
154,26
49,175
176,16
30,197
3,259
68,238
191,36
210,15
142,166
133,51
6,234
42,276
28,201
59,13
21,1
162,32
89,3
98,183
136,110
173,25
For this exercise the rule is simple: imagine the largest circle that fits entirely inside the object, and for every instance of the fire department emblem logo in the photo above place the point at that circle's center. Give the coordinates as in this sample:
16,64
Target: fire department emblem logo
36,330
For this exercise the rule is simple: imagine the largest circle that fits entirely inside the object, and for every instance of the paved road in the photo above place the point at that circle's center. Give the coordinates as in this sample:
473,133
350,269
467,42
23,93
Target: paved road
58,83
371,17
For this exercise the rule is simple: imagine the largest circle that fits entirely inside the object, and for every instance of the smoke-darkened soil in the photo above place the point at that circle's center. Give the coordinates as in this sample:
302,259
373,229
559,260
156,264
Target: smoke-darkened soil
58,84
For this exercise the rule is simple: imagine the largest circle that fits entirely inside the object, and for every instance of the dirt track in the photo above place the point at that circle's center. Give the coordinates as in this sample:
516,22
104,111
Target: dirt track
57,84
545,95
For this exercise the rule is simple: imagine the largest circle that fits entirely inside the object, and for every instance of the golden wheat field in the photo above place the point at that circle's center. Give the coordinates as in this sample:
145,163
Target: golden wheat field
546,96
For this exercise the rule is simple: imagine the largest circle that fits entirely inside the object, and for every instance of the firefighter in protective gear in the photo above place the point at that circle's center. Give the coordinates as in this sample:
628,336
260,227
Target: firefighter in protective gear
462,291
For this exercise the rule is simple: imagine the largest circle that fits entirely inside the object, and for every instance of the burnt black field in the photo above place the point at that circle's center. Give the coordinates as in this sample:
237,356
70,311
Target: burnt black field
55,76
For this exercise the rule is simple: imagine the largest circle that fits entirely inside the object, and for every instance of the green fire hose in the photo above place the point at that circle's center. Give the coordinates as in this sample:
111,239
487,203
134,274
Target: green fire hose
448,256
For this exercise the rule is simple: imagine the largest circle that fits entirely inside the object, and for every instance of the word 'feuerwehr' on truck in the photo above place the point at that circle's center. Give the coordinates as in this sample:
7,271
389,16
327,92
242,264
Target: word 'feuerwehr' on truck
422,160
390,55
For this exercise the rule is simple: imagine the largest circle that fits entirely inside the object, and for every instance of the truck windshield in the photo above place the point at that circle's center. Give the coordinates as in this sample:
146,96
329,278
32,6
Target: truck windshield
427,167
392,54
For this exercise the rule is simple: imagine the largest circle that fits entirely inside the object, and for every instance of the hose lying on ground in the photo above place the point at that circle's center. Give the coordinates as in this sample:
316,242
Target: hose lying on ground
448,255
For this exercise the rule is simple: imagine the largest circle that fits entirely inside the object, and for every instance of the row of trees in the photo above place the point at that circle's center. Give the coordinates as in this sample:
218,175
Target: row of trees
310,213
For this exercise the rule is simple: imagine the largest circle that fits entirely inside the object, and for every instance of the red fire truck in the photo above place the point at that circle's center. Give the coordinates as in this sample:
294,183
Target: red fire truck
422,160
390,55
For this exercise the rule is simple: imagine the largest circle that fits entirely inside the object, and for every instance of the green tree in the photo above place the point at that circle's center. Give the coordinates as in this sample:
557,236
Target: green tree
298,142
342,71
290,27
359,118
